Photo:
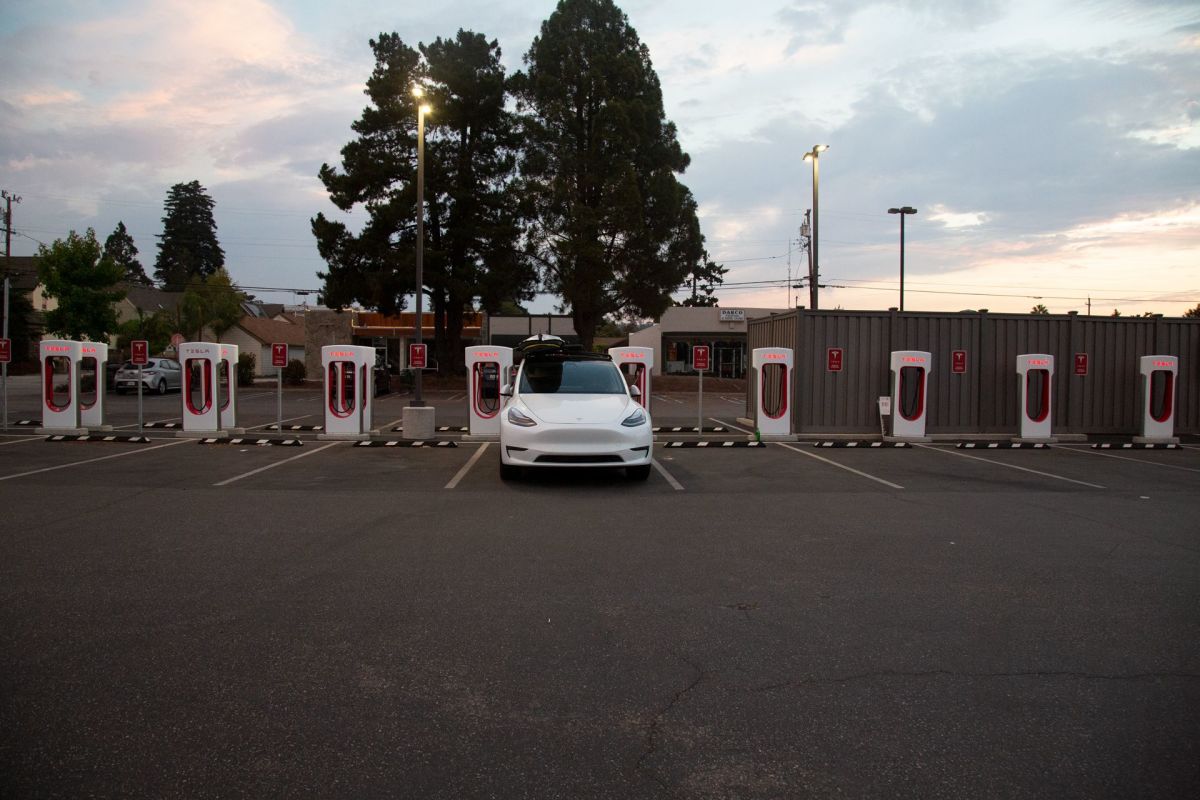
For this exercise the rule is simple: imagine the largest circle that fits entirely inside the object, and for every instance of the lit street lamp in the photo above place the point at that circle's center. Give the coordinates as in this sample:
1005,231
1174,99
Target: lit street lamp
903,212
811,155
422,110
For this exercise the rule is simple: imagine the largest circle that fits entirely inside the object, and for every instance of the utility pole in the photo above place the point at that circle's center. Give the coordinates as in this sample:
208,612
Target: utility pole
808,245
9,199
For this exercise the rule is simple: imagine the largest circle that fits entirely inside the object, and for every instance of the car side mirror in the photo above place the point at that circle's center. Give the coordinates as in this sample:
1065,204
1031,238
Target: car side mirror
506,390
635,392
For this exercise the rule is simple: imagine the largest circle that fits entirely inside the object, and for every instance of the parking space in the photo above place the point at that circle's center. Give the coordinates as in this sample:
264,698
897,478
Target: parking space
749,622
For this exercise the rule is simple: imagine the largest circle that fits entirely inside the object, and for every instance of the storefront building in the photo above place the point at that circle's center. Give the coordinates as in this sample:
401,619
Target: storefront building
681,327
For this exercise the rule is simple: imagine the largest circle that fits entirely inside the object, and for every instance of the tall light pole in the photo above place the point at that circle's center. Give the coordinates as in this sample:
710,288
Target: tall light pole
903,212
422,110
815,273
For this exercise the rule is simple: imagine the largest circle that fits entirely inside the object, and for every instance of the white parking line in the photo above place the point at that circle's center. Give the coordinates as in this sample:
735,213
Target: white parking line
276,464
467,467
1010,466
23,441
670,478
146,422
666,399
456,397
729,425
737,401
101,458
839,466
1127,458
273,422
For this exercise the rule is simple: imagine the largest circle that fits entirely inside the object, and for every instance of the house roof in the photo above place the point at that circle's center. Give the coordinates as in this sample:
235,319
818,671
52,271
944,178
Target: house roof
149,300
269,331
21,270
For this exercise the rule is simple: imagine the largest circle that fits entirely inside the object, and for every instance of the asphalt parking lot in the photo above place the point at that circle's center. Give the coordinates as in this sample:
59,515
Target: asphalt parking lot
186,620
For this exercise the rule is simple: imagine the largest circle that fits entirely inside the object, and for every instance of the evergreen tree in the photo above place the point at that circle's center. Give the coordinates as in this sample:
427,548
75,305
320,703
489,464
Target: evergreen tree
1040,310
614,230
1192,313
85,285
472,227
188,246
120,249
704,280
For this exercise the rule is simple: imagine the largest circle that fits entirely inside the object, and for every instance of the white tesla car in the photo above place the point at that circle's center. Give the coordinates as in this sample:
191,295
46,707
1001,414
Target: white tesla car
572,409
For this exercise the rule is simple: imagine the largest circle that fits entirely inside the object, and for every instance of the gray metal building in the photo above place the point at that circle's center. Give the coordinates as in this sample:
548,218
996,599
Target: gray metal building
983,398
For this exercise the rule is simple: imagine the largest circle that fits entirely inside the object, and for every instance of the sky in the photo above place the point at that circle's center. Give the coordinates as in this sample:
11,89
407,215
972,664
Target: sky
1051,149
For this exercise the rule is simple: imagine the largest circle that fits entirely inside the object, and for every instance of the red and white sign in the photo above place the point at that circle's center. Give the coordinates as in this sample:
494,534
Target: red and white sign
700,357
833,359
1081,363
279,354
958,361
5,351
139,352
416,356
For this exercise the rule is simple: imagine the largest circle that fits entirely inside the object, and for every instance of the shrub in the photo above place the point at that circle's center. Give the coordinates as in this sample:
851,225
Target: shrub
245,369
294,373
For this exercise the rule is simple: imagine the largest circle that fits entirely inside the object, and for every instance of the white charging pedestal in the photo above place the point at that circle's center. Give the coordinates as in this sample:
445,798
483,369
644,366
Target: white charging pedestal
910,390
59,359
1156,399
201,396
1035,392
93,355
772,375
349,381
227,364
488,369
636,363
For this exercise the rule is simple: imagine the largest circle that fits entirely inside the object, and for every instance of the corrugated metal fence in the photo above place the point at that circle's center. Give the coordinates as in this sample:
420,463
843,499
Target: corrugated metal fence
983,399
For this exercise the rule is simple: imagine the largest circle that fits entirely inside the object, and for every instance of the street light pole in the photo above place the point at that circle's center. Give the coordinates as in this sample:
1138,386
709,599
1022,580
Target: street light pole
422,110
903,212
814,275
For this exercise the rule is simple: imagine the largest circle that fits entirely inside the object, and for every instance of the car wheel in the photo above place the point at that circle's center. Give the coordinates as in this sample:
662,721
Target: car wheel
639,473
162,387
509,472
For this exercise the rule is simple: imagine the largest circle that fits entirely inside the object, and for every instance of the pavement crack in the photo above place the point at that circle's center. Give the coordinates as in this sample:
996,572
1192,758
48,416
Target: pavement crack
651,746
867,676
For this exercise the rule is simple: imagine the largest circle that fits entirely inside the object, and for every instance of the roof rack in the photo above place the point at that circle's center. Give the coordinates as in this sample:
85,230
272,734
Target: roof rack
544,345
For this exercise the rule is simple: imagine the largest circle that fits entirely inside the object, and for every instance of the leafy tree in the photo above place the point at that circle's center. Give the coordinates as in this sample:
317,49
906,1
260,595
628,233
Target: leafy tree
705,278
213,303
156,329
188,246
1116,312
472,225
1040,309
84,283
120,249
1193,313
614,230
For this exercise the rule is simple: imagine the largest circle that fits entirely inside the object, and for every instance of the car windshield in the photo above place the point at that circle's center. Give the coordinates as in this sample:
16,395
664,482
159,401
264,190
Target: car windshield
571,377
132,366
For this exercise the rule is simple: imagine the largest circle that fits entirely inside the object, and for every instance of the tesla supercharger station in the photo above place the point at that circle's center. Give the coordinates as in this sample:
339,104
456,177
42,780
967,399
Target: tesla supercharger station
635,363
488,368
1156,398
1035,378
772,368
201,390
60,385
349,389
92,356
910,390
227,359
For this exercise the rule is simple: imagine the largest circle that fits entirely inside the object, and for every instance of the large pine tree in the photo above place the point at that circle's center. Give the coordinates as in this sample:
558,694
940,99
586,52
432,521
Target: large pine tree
188,246
120,249
615,231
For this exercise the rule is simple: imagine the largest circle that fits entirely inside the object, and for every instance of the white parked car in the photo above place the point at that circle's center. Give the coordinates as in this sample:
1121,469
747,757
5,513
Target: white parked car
158,375
572,409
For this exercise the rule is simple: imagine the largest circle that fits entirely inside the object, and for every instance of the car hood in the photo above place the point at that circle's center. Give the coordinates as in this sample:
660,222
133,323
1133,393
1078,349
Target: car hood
578,409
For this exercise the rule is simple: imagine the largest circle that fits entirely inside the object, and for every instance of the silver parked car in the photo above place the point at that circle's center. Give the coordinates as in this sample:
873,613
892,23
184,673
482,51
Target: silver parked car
158,375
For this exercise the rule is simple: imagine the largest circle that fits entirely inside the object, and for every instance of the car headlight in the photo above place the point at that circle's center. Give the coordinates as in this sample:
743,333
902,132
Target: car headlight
634,419
517,418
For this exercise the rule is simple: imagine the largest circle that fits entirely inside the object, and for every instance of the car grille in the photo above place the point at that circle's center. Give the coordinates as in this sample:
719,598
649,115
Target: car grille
609,459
